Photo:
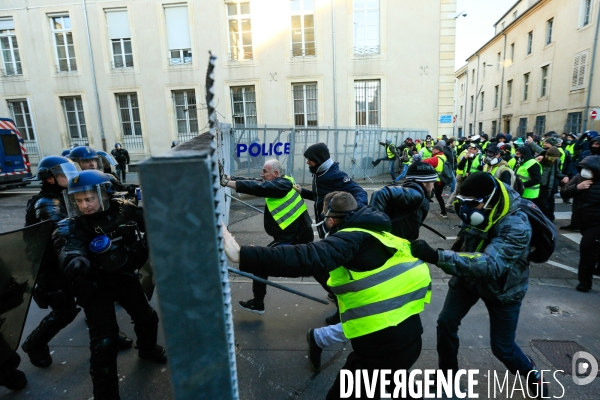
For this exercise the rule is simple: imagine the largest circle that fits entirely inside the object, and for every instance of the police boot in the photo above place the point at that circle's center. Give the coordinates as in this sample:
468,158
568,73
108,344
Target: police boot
10,376
36,344
146,330
103,368
125,342
156,354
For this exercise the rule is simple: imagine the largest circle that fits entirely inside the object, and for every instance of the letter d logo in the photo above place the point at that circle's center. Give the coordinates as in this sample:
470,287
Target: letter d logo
590,365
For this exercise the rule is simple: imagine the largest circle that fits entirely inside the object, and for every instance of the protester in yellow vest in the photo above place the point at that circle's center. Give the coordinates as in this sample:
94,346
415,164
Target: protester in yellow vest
468,162
497,166
381,288
488,262
530,173
286,219
391,152
437,161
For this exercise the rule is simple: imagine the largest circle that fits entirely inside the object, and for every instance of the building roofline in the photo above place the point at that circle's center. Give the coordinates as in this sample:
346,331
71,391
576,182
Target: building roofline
461,70
507,11
529,11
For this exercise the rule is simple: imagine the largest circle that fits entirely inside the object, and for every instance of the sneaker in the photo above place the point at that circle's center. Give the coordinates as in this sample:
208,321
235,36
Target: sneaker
537,388
333,319
444,215
156,354
450,210
314,351
253,305
583,288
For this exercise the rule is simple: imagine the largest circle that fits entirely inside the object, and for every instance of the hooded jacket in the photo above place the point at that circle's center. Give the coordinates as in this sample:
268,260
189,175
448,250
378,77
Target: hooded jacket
494,262
586,203
357,251
330,181
406,205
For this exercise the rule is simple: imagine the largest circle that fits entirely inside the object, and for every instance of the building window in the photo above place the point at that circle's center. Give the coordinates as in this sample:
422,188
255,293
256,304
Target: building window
240,31
303,28
586,13
11,60
120,38
499,62
544,85
522,128
460,116
473,75
502,25
529,42
480,128
573,123
481,103
462,89
509,87
243,104
178,35
540,125
129,114
19,110
63,42
579,70
549,27
494,128
472,104
515,14
526,87
483,71
367,103
512,53
496,95
366,27
186,114
305,104
470,129
73,109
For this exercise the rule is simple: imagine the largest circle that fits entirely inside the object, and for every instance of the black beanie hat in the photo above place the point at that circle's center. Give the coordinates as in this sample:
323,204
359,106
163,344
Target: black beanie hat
318,153
525,152
478,185
421,172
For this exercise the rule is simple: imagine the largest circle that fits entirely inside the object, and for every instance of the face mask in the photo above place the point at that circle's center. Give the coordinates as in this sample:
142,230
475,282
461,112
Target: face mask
594,150
492,161
586,174
470,216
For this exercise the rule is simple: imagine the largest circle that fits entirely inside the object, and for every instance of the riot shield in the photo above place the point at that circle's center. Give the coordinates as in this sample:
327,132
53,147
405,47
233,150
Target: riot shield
20,257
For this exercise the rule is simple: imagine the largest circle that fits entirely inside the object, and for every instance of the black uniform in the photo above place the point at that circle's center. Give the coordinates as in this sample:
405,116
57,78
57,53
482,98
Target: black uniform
52,288
122,157
110,278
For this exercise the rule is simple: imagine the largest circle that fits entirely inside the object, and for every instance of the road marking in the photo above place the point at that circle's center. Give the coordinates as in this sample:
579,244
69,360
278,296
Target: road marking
559,265
451,237
563,215
576,237
20,192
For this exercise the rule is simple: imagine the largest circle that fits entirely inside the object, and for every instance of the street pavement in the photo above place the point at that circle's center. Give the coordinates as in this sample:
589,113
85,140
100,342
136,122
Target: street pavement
272,363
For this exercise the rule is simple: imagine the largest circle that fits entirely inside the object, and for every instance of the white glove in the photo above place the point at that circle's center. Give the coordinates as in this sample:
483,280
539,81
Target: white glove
230,246
223,178
297,188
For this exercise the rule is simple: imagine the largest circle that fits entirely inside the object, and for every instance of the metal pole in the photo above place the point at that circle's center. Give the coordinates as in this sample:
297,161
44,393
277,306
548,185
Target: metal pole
278,286
476,97
589,93
502,86
335,124
87,29
243,202
466,97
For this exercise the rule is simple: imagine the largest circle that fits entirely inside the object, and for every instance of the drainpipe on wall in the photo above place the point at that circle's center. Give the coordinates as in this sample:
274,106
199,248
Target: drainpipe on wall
335,124
589,93
476,97
87,29
502,87
465,125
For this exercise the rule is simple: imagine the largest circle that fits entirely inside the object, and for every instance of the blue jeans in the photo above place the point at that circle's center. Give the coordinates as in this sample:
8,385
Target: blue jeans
402,174
453,184
392,162
503,325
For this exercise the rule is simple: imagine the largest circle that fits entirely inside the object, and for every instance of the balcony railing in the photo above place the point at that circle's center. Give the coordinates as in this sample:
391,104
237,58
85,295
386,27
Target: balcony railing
65,69
240,56
298,53
121,64
366,50
12,71
180,60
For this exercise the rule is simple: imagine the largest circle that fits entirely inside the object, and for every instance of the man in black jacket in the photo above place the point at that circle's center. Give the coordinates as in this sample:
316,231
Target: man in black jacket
122,157
327,178
285,229
359,241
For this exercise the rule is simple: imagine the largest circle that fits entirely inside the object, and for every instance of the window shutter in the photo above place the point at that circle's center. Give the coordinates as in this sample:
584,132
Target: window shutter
118,24
178,30
575,78
582,69
7,24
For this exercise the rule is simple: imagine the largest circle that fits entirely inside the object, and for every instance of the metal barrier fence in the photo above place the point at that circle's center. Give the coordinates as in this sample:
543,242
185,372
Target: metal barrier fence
353,148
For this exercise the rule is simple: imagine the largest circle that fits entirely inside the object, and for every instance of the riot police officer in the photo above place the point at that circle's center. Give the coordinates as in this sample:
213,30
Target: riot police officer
52,288
102,248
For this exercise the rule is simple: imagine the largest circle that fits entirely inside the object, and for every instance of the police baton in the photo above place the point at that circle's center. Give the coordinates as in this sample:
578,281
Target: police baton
243,202
278,286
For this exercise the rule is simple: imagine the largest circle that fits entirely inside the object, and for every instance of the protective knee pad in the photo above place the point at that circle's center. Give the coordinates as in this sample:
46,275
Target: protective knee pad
104,353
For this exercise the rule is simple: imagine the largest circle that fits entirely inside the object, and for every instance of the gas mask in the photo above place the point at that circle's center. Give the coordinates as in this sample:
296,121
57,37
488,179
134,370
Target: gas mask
465,209
491,161
586,173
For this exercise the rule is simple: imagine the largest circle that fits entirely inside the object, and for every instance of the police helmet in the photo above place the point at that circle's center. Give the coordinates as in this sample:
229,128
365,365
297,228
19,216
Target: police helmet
65,153
56,166
117,145
87,193
87,158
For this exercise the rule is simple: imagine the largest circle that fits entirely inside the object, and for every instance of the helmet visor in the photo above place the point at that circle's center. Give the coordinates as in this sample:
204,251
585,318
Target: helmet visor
90,163
86,200
63,172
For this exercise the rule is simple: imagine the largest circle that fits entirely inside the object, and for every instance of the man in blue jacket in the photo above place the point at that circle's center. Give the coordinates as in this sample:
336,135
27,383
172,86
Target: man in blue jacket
487,262
327,178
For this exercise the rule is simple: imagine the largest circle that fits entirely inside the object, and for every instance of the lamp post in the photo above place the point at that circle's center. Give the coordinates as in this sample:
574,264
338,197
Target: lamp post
477,95
456,16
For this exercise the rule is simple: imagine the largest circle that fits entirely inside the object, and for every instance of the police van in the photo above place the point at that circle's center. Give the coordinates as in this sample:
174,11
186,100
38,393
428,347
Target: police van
14,161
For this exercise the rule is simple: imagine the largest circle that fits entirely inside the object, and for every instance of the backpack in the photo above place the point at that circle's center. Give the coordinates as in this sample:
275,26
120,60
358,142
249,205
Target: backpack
543,233
446,176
